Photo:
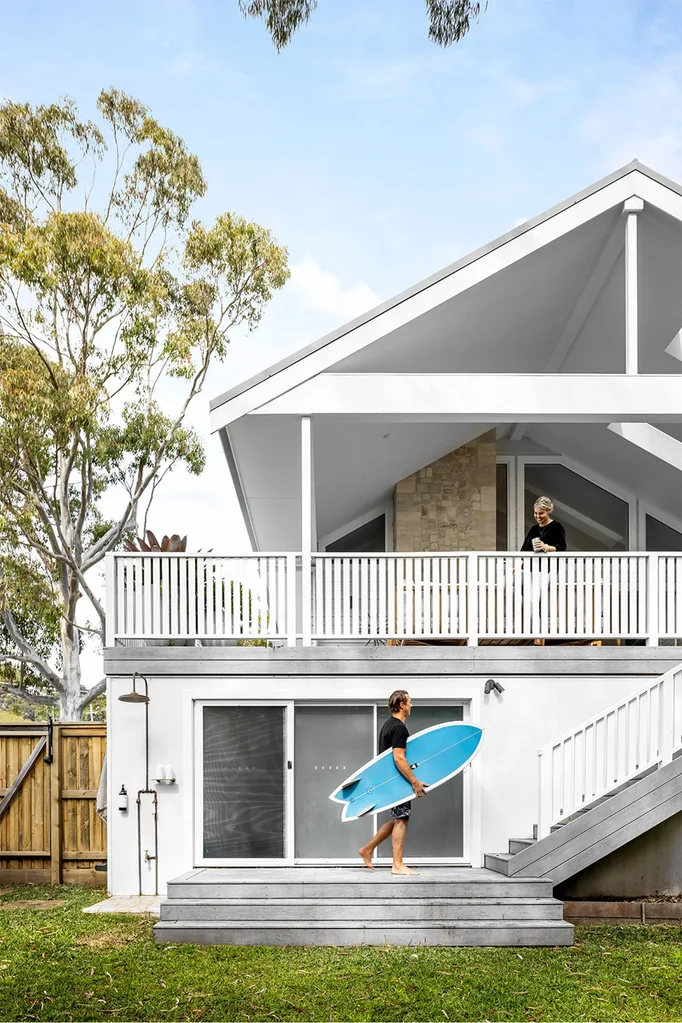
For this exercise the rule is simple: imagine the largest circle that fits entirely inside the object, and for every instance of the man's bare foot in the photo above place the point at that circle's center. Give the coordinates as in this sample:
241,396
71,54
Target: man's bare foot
367,857
404,870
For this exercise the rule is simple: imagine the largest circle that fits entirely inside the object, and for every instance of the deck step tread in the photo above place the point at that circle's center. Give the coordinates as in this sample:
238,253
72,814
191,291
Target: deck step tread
347,924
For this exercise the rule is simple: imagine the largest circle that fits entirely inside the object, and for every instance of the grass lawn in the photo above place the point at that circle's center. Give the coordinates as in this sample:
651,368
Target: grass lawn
59,964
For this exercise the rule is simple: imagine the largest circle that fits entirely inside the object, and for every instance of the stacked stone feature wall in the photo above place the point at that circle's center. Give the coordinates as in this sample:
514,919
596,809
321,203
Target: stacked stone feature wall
450,504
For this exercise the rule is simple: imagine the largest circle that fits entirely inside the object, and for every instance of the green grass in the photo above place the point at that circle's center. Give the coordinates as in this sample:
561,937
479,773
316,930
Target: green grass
60,964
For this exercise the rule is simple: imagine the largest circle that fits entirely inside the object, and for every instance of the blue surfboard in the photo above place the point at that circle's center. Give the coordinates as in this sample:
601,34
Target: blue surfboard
435,755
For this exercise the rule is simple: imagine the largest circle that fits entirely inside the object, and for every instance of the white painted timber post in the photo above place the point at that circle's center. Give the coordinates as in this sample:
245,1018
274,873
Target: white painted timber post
652,600
544,793
291,599
472,602
110,599
631,208
667,718
306,529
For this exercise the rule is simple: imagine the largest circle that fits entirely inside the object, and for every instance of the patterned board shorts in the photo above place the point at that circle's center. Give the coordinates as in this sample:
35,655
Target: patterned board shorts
402,810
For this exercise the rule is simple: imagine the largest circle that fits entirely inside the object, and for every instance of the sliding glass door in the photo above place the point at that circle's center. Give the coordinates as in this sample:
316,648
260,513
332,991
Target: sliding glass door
242,775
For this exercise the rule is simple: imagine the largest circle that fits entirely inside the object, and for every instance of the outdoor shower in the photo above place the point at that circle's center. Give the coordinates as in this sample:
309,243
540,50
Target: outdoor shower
135,697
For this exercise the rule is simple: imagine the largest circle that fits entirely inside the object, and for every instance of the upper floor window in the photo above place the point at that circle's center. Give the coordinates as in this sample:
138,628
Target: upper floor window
660,537
594,519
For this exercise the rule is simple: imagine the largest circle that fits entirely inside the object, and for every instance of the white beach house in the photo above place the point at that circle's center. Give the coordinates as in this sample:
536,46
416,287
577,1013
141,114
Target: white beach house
387,475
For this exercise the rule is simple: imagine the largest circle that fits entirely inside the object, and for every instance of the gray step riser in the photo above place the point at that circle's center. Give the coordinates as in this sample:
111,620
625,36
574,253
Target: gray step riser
495,862
606,834
666,779
359,913
518,845
393,889
507,934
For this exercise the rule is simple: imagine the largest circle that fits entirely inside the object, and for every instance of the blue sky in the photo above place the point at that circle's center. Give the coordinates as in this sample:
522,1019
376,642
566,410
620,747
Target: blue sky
374,155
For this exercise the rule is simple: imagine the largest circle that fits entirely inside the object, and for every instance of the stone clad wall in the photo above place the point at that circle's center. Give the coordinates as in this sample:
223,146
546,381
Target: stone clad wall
450,504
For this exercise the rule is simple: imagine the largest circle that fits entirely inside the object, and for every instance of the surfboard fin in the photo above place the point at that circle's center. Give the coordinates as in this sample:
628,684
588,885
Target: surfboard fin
368,810
348,789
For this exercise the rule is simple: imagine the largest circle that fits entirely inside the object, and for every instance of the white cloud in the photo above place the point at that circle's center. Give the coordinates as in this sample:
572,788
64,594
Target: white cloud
640,116
318,289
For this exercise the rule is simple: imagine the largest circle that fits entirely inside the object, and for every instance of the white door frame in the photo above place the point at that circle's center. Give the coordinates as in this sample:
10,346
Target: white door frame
198,859
468,696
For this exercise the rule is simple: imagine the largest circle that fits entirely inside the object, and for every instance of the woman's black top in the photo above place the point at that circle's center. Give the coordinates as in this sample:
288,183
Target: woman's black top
553,534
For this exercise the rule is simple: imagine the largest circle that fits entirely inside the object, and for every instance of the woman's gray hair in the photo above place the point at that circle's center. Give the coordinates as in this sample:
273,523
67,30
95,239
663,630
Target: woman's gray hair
544,503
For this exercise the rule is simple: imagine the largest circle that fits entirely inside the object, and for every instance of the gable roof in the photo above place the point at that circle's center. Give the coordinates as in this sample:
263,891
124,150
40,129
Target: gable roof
334,336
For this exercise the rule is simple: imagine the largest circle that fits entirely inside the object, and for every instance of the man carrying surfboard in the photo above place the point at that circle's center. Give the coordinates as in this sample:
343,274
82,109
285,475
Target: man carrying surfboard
394,735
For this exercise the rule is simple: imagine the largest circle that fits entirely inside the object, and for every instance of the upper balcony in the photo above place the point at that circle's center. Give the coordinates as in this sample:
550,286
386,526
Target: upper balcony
461,599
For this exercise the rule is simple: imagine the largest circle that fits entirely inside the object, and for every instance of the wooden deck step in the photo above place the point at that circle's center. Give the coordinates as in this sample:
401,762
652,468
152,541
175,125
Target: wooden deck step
354,906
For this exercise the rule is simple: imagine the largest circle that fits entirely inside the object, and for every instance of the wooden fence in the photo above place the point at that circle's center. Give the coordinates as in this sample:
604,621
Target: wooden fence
49,829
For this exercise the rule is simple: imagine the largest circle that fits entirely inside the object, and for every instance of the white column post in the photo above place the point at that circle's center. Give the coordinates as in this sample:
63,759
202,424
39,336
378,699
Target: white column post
472,601
631,208
306,529
110,599
652,599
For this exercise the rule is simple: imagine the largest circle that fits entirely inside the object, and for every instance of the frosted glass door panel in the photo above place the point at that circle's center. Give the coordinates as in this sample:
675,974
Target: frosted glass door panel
244,782
436,827
330,743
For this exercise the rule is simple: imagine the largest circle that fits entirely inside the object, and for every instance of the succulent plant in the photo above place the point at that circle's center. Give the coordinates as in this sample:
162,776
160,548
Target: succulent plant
150,545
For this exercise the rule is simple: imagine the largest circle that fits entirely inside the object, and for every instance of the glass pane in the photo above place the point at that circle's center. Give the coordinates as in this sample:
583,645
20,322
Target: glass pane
502,543
436,825
660,537
367,539
330,743
594,519
244,782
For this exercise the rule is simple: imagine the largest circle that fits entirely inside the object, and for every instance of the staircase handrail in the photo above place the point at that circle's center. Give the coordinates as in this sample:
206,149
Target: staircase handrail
668,732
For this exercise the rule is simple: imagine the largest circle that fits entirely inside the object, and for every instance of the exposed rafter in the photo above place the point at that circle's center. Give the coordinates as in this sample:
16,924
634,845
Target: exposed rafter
651,440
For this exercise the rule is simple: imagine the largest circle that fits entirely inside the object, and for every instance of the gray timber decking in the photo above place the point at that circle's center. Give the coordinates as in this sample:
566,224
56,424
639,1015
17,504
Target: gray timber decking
355,906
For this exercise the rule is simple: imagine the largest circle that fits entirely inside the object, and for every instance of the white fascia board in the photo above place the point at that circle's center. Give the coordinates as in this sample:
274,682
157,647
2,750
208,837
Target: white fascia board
486,397
651,440
432,295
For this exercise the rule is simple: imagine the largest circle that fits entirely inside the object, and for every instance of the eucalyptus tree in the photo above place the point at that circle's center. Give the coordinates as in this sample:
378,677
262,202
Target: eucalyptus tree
449,20
108,290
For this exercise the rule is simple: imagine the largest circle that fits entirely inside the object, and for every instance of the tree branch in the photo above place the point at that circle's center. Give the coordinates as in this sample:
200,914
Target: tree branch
26,694
29,655
92,694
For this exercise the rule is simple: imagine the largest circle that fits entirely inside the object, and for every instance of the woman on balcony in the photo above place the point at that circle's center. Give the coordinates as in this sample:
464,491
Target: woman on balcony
546,534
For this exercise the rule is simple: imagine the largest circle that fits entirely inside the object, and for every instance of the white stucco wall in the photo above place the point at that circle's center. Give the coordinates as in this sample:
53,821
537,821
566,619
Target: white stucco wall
530,713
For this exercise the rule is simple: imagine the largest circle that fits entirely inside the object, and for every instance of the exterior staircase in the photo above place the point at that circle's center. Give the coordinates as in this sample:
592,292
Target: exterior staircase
355,906
606,782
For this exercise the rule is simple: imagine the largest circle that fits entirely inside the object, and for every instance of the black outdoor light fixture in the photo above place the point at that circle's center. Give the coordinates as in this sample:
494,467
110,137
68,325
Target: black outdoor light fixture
135,697
492,686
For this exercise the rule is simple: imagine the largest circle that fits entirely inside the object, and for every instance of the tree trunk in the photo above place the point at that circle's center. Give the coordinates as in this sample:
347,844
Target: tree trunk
69,700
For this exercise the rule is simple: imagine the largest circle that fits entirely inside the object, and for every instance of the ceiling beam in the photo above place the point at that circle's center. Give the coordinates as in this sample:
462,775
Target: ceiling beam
600,273
654,442
486,397
675,346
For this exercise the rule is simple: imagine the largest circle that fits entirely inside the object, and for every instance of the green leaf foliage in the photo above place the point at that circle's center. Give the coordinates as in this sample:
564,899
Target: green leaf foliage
101,303
449,20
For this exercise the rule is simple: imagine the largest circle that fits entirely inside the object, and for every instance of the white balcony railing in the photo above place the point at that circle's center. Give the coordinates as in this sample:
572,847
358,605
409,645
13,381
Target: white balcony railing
205,597
638,733
470,598
390,596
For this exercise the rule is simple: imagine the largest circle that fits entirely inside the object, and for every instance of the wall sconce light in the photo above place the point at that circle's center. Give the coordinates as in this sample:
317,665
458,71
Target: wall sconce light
492,686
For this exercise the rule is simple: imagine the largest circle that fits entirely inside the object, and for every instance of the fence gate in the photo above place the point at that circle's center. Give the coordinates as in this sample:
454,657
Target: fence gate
49,830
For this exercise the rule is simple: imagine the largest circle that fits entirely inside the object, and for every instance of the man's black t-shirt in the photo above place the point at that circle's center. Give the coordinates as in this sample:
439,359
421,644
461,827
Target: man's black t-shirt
553,534
393,735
